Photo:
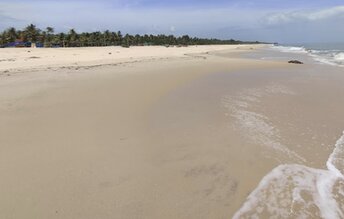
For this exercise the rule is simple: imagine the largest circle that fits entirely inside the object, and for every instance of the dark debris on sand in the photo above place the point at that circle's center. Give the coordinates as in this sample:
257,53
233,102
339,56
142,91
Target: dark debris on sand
295,62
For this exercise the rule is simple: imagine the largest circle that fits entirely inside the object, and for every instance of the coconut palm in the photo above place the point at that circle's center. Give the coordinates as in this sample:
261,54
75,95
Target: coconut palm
11,34
72,37
49,31
32,33
106,38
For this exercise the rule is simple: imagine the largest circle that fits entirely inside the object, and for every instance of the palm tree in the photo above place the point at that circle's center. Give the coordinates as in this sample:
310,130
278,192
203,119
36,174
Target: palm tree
43,37
185,40
62,39
12,34
49,36
9,35
32,33
107,38
72,37
84,37
50,30
126,41
119,38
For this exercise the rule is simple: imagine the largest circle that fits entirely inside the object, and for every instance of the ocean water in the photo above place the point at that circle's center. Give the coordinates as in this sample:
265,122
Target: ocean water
326,53
299,191
293,189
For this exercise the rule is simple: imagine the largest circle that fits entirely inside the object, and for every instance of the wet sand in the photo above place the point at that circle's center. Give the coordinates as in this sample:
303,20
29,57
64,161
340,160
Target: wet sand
183,136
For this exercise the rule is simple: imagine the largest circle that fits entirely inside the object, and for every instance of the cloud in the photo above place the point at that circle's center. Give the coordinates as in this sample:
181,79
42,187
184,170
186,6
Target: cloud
297,16
264,24
7,20
91,16
172,28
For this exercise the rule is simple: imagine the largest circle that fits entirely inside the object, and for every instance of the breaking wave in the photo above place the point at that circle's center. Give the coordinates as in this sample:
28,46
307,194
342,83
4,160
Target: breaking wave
331,57
289,190
255,126
298,191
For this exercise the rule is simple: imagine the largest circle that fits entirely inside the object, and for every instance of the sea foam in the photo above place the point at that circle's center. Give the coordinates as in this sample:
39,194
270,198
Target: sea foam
298,191
291,49
330,57
289,190
255,126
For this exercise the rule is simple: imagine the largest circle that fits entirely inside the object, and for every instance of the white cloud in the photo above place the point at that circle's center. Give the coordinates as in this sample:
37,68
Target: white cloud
296,16
91,16
172,29
227,22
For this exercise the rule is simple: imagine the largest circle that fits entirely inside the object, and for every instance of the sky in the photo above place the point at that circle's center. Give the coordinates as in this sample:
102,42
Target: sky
284,21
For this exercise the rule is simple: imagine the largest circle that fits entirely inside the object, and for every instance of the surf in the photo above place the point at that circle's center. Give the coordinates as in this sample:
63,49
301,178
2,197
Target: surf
299,191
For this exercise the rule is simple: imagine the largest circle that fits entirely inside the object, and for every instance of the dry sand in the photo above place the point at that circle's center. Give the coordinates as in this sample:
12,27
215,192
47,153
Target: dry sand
154,132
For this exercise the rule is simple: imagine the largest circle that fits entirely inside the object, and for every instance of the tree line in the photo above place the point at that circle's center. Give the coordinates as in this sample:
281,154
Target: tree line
48,38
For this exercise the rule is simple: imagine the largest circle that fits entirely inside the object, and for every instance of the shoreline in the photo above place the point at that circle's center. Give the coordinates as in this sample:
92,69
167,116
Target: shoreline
163,138
83,57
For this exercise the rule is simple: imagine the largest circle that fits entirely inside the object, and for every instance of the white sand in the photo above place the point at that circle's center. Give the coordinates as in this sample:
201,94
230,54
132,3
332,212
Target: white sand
141,132
28,58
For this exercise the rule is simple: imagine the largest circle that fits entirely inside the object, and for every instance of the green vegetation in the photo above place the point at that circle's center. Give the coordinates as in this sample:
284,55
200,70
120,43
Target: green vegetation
47,38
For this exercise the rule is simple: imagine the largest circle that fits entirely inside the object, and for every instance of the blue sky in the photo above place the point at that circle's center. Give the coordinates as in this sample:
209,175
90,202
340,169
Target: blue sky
283,21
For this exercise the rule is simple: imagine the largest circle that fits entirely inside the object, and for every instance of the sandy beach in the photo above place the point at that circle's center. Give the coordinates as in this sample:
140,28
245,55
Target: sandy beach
156,132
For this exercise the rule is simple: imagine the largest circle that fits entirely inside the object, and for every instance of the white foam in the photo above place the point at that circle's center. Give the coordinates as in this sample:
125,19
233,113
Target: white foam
278,89
339,56
255,126
289,190
323,59
297,191
336,160
329,57
291,49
